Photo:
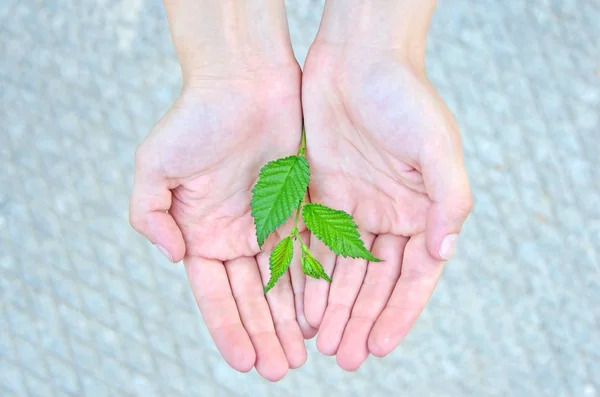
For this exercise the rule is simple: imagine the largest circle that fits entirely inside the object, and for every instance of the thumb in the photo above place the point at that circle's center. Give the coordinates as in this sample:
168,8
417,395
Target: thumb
447,186
148,209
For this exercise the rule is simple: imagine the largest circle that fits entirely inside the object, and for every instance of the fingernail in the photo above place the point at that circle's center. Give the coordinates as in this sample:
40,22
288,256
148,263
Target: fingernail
448,245
163,251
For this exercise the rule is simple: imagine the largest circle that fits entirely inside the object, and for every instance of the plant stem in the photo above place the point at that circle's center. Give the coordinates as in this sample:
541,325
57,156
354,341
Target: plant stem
295,231
298,214
302,150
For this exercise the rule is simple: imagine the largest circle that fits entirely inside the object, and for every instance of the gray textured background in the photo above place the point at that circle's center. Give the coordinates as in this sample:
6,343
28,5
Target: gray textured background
89,309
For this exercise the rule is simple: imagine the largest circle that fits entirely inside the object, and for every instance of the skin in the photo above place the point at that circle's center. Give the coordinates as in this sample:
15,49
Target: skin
240,108
381,144
199,164
384,147
370,128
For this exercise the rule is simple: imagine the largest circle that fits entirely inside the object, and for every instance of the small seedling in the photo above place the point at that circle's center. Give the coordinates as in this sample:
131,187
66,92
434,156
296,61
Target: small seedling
281,188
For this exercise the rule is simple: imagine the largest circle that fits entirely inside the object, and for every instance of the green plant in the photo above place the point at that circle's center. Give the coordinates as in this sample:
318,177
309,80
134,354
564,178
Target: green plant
281,189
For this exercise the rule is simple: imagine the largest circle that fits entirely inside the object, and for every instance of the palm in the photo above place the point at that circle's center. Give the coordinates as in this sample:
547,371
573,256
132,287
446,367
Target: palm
371,129
366,142
191,196
215,161
355,168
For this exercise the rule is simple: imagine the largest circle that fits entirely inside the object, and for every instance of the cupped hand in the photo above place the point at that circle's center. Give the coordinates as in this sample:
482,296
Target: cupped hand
382,146
193,179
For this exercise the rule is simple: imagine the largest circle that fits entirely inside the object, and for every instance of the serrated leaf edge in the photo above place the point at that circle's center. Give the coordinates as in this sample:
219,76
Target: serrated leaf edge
300,158
367,255
319,273
272,281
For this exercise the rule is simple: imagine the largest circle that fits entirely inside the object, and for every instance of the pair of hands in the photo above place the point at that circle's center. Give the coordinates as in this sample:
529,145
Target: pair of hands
381,145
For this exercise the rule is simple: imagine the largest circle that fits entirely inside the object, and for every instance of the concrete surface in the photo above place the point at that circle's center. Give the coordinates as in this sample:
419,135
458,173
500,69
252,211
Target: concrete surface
89,309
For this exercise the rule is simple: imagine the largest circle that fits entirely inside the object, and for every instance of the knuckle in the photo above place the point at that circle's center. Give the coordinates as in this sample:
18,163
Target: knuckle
465,204
140,155
136,220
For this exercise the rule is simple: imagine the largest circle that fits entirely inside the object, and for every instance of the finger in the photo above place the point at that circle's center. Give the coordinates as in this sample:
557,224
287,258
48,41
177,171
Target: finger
299,284
247,288
346,281
374,293
149,204
317,291
281,302
419,276
447,185
210,286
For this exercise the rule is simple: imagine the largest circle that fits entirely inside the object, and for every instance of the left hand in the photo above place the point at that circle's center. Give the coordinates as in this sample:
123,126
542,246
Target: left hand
239,108
193,179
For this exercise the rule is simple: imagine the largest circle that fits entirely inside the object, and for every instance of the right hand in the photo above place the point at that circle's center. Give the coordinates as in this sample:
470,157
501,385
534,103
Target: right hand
384,147
193,179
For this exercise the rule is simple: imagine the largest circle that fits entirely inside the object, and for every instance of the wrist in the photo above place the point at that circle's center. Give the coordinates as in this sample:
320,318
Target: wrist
396,27
229,37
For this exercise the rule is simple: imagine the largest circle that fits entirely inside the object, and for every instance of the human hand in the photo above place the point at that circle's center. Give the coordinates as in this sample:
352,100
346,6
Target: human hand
193,179
382,146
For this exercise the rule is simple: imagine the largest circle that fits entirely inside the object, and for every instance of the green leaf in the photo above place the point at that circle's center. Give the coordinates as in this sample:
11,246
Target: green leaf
281,186
311,267
280,260
337,230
